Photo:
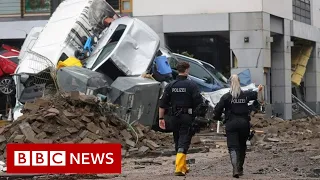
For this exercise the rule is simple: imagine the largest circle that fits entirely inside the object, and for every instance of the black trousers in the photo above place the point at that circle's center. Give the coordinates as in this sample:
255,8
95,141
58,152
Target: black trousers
238,131
182,134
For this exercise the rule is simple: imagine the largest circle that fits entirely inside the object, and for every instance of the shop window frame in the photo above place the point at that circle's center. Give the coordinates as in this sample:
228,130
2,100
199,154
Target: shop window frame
302,11
122,10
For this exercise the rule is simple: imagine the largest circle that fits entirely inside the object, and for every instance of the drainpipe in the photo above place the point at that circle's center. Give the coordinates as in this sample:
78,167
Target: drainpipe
22,8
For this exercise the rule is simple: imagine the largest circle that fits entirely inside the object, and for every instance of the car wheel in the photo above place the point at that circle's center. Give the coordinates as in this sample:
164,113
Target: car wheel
6,85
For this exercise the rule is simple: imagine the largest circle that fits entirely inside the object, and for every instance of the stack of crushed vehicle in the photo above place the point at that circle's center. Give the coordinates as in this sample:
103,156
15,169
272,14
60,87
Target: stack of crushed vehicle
87,47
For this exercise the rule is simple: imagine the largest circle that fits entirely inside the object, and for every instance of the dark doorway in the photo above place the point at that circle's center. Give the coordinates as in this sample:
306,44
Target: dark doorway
213,49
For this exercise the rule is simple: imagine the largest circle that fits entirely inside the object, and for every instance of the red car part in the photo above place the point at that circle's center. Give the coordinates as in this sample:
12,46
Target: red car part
8,65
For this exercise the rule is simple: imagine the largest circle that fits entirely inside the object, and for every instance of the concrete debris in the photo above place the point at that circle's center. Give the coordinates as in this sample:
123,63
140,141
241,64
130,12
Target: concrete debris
297,150
271,140
152,145
86,140
123,152
126,134
191,161
19,139
130,143
133,149
316,171
3,166
2,139
308,144
76,119
277,169
196,140
53,110
278,129
315,157
276,155
143,149
309,131
147,162
139,167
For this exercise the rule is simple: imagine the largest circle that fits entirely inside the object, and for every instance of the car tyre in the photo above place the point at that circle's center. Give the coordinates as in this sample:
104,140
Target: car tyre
7,85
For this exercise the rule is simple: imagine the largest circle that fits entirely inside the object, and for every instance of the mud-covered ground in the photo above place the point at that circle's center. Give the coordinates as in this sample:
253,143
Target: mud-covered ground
283,150
274,161
265,160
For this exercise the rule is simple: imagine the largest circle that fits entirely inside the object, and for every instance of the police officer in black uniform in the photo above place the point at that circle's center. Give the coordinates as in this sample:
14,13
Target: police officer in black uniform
237,116
182,96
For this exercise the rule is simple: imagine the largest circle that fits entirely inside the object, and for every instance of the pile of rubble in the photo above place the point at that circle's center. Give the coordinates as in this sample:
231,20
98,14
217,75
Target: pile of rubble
77,118
299,129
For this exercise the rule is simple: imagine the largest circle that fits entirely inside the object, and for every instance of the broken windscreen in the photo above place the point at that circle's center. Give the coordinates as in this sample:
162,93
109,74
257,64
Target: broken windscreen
216,73
172,62
109,47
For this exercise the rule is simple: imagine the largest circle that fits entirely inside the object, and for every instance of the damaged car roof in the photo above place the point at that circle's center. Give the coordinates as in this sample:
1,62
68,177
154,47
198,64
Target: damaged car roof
129,43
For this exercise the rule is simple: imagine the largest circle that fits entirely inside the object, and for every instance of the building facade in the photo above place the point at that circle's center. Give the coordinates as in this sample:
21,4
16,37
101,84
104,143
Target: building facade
261,35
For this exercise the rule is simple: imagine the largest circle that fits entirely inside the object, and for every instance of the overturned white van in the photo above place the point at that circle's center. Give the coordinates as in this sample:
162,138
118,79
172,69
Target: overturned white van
125,47
63,34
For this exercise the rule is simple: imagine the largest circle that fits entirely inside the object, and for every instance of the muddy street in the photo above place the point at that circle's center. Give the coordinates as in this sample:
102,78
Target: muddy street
282,150
283,160
285,150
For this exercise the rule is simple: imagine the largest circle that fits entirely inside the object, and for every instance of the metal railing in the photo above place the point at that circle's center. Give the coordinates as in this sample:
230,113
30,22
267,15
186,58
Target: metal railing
302,106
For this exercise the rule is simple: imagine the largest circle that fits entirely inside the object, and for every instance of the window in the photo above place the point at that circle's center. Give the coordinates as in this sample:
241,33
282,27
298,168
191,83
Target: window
10,7
198,72
172,62
37,6
195,69
301,11
15,60
109,47
126,6
216,73
114,3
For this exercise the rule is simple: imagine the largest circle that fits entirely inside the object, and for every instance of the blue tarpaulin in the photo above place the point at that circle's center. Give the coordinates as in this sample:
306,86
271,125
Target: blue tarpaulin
245,77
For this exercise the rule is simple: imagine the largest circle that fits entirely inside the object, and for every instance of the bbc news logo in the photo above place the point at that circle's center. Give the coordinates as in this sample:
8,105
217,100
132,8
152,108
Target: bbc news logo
58,158
39,158
64,158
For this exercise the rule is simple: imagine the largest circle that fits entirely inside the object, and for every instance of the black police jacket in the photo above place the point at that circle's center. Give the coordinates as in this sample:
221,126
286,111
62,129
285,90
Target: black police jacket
182,93
238,106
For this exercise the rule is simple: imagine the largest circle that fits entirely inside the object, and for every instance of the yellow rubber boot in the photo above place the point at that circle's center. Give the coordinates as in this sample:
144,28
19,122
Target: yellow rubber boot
185,167
180,165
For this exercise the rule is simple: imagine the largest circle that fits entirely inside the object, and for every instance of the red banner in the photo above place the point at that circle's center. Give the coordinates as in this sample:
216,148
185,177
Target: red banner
64,158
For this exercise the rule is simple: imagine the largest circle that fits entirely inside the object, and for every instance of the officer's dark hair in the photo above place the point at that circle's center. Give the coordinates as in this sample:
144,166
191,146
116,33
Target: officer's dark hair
182,66
159,53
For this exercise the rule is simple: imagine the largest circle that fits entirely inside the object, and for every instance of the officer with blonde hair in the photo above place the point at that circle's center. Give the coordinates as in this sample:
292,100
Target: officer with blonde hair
237,116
